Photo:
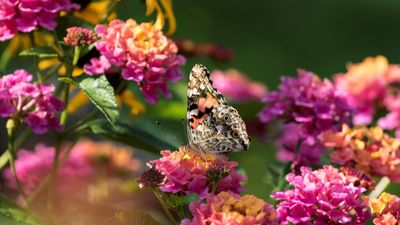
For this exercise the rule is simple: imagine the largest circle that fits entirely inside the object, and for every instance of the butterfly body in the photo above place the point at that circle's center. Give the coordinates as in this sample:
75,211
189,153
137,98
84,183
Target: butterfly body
213,125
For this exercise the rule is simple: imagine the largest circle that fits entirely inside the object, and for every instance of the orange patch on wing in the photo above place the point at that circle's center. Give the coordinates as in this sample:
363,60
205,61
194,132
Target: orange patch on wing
207,102
204,103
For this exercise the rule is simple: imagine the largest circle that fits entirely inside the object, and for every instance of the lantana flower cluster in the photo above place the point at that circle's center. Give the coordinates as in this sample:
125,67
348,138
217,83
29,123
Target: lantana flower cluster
324,196
144,54
232,209
237,86
367,149
26,16
32,103
370,88
386,208
311,105
189,172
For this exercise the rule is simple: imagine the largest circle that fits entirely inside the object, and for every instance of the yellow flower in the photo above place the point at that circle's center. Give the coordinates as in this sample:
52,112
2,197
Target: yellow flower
164,11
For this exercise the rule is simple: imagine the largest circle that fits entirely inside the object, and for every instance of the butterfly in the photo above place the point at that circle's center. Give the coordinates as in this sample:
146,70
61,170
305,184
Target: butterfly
212,125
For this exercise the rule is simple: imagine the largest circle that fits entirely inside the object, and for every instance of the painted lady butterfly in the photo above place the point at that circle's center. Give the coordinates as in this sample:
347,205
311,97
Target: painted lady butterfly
212,124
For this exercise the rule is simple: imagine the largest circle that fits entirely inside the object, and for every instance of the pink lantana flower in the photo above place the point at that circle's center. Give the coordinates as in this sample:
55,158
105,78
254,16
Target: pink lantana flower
237,86
365,86
308,106
29,102
324,196
26,16
386,209
232,209
144,54
188,172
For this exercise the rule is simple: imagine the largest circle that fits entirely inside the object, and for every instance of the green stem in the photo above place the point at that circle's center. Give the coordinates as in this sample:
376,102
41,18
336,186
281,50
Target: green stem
77,53
4,159
166,210
64,113
379,188
12,125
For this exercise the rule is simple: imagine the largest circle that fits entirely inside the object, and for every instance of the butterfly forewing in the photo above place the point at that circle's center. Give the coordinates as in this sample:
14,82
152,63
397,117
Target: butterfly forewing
213,125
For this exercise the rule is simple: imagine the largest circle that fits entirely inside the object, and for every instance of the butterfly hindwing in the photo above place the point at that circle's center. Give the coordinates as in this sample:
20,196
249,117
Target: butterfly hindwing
213,125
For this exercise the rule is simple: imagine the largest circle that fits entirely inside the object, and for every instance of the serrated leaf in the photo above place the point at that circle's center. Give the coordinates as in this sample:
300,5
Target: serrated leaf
100,93
40,51
137,134
131,218
12,214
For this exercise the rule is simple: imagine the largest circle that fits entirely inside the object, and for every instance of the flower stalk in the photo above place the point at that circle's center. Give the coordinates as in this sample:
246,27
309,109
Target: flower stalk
159,197
12,125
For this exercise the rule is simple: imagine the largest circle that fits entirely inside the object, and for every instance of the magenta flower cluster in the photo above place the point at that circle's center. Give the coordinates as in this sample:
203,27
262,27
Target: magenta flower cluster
144,54
186,172
311,105
31,103
324,196
26,16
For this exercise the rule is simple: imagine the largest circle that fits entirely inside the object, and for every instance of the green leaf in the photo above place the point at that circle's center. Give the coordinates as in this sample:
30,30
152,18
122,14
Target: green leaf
191,198
137,134
12,214
100,92
131,218
40,51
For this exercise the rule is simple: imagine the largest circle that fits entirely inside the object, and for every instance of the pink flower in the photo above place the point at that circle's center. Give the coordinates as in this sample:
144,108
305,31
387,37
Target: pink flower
32,103
299,151
228,208
26,16
365,86
324,196
79,36
366,149
188,172
144,54
85,162
309,106
237,86
33,166
97,66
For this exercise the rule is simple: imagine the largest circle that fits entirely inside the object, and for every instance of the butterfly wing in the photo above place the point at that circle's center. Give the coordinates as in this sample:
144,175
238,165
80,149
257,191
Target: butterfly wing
212,124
